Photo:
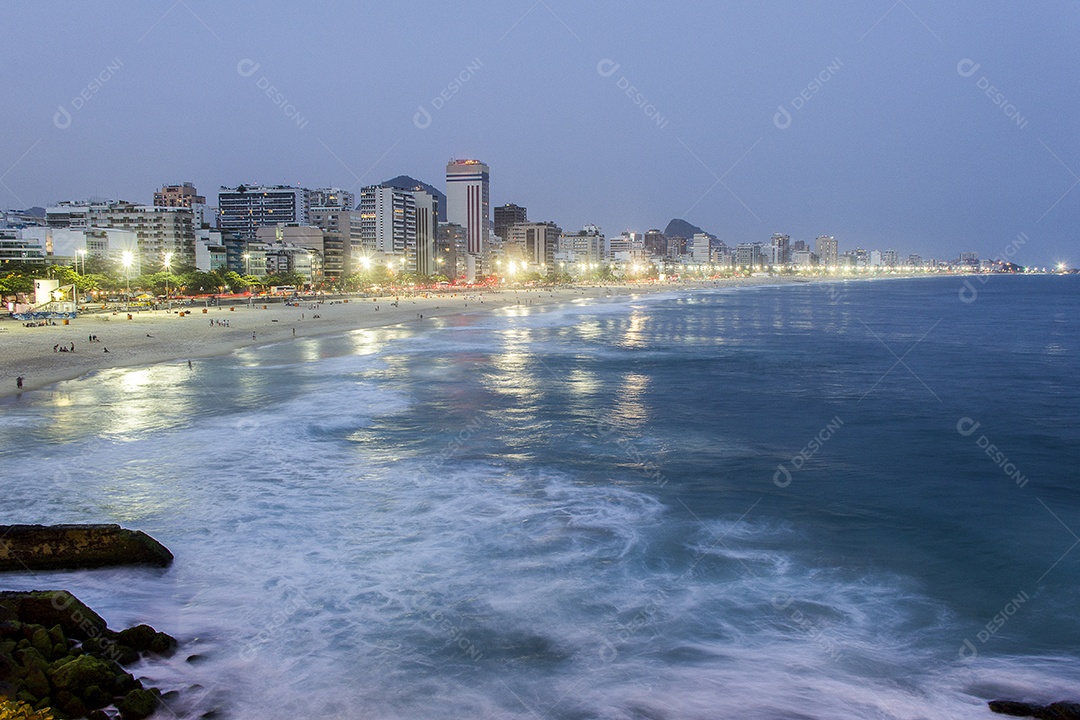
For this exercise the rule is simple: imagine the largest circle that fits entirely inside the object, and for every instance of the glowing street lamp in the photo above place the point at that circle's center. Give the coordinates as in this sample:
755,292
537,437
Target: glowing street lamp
80,253
126,258
168,265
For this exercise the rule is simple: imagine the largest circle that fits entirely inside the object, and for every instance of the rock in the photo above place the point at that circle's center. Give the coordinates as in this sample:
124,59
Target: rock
56,634
74,707
125,683
97,715
52,547
137,704
1053,711
31,658
82,672
144,638
96,698
55,607
36,683
41,642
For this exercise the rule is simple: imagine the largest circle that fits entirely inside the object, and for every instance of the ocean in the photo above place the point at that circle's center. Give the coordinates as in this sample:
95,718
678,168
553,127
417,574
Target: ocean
823,500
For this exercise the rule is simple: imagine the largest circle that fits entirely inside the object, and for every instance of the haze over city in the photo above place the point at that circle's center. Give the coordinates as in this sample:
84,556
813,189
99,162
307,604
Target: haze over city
932,129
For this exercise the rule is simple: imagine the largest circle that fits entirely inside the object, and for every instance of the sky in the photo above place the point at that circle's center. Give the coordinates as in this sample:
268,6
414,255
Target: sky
926,127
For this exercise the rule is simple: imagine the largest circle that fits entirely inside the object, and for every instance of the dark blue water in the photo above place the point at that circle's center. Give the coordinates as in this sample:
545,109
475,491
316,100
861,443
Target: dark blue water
766,502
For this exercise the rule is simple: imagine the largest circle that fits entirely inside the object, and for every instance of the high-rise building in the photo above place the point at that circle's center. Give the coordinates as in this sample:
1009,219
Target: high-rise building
342,239
586,246
184,195
828,251
401,223
748,256
656,243
387,219
535,243
426,231
450,250
331,197
293,248
467,201
157,230
890,258
246,208
781,249
507,216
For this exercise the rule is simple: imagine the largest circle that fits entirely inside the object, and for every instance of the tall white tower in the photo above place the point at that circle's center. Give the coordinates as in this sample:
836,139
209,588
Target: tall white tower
468,205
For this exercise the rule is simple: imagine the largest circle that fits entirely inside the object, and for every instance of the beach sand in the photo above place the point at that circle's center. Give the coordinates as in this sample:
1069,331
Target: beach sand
156,336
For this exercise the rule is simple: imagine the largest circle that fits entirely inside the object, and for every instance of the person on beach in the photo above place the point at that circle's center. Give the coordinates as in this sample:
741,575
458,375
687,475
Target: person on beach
18,382
189,364
106,349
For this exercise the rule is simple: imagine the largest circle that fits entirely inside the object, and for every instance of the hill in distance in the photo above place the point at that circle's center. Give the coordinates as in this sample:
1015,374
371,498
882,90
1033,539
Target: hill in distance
680,228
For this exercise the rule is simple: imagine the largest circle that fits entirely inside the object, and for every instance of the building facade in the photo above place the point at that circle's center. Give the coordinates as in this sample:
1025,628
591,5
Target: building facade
506,216
828,251
246,208
468,201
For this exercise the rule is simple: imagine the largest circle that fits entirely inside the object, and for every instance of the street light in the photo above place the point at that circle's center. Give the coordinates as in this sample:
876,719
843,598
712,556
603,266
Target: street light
126,259
168,264
81,252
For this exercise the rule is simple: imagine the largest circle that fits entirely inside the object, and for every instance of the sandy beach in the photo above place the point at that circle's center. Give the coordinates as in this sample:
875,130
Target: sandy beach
156,336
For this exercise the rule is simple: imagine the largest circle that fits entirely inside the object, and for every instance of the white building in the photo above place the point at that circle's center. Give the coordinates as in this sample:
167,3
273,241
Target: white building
701,248
468,205
828,251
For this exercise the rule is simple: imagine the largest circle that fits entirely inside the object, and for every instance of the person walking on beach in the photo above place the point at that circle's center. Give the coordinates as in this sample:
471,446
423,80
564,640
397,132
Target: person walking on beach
18,382
189,364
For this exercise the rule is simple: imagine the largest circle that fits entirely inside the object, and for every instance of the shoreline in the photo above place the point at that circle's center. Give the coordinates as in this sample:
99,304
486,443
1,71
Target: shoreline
153,337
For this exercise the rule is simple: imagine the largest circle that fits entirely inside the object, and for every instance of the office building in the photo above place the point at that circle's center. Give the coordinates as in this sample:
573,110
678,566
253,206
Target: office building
507,216
534,244
246,208
780,247
467,205
331,198
828,251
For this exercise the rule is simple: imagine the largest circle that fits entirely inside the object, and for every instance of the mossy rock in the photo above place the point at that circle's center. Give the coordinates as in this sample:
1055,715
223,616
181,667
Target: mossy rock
37,683
124,683
95,698
137,704
74,707
82,672
41,642
55,607
56,634
146,639
28,657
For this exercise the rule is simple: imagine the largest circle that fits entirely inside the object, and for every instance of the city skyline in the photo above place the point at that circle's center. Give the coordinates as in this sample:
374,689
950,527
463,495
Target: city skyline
961,144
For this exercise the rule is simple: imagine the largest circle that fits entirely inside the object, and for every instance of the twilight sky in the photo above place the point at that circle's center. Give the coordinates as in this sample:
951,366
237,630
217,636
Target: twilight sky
923,126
